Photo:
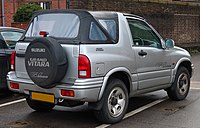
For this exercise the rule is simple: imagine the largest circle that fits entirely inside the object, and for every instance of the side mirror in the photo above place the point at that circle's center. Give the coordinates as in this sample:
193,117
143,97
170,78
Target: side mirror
169,43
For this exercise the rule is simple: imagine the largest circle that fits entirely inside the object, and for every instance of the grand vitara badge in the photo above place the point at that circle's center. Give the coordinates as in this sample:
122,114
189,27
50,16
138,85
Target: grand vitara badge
38,62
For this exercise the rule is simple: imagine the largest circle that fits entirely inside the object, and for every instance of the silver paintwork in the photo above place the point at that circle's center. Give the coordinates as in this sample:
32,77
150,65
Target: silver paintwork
118,69
85,90
152,72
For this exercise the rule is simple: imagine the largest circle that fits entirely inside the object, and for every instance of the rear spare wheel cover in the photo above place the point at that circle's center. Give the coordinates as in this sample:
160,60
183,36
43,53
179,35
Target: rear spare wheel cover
45,61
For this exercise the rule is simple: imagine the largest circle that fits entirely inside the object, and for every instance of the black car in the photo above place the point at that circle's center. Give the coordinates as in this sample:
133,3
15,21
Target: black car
8,38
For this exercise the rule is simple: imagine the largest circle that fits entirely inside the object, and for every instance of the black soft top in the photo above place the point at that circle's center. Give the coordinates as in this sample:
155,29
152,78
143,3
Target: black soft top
86,17
80,13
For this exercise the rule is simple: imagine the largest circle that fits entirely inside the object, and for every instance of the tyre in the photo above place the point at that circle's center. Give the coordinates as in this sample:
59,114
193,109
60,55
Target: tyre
115,102
180,88
46,62
39,106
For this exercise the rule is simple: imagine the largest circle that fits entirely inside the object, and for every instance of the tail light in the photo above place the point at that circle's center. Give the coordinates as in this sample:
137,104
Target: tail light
14,85
69,93
12,61
44,33
84,69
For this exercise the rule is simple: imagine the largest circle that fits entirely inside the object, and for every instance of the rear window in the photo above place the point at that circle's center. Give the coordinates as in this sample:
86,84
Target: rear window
11,37
57,25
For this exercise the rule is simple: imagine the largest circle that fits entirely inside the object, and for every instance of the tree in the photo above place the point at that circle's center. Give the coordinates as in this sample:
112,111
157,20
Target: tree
24,13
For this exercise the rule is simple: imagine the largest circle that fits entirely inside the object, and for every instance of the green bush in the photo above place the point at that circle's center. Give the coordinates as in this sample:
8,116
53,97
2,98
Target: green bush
24,12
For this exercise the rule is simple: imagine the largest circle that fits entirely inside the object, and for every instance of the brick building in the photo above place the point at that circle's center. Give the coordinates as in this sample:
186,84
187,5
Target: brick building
176,19
10,7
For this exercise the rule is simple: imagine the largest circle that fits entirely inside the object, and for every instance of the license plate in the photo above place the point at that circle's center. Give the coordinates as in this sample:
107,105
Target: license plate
42,97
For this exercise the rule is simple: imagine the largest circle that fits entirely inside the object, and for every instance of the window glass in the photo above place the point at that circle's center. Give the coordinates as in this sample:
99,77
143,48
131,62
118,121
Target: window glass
11,37
43,5
143,35
57,25
110,26
96,33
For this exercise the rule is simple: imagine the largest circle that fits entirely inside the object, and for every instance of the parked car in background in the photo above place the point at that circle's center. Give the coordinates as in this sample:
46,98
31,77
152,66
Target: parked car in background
8,38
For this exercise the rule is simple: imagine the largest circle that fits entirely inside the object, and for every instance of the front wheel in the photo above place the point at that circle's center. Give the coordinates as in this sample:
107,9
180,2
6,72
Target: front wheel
115,102
181,86
39,106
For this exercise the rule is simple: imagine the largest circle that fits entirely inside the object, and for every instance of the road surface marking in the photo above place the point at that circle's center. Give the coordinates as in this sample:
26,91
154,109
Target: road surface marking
195,82
12,102
195,88
137,111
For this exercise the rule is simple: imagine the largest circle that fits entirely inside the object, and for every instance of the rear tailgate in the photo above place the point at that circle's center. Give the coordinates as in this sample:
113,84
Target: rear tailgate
20,60
72,52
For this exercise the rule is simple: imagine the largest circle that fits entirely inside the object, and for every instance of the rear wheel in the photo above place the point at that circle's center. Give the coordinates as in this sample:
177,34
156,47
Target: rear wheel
115,102
180,88
39,106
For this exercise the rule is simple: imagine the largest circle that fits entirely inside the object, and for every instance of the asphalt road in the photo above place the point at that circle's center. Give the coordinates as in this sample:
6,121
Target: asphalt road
153,110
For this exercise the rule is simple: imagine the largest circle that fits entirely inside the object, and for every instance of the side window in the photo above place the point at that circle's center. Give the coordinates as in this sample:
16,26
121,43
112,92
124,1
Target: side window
96,33
143,35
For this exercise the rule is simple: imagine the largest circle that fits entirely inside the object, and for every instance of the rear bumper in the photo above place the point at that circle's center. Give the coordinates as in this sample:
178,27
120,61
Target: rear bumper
85,89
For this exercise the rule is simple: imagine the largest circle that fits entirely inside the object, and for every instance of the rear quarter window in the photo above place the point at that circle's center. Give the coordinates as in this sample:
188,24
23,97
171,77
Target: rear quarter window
110,26
96,33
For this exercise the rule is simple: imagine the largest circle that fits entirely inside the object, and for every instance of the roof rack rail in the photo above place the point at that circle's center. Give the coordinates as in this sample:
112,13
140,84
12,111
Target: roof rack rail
132,15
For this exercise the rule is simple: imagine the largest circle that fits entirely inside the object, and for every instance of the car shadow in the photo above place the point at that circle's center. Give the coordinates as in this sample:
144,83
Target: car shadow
80,116
7,96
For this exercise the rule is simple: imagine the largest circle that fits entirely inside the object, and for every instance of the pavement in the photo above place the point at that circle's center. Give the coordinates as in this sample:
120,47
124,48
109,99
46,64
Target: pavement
196,62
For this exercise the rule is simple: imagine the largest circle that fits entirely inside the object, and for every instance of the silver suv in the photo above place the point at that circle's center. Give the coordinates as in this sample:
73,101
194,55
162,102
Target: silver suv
69,57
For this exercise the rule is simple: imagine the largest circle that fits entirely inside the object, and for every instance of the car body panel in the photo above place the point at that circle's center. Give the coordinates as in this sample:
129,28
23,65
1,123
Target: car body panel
146,73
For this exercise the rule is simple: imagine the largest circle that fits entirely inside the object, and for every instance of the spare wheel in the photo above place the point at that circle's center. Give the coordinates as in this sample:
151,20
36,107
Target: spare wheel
45,61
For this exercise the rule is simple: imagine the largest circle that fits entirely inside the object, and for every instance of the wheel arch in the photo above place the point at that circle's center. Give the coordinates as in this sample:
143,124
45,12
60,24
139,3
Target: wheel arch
119,73
184,62
187,64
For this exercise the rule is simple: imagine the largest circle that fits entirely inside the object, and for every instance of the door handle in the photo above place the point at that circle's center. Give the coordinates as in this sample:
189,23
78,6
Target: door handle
142,53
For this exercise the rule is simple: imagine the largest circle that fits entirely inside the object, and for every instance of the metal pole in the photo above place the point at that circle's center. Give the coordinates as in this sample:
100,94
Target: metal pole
67,4
2,12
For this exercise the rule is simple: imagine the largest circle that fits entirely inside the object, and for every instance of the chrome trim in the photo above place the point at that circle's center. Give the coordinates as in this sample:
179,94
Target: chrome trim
80,87
88,82
11,76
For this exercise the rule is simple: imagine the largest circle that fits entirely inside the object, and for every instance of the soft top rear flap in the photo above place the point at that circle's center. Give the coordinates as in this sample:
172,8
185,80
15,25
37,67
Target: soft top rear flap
82,25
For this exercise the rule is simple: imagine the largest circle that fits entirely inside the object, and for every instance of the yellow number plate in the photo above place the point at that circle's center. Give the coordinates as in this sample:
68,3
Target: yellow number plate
42,97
